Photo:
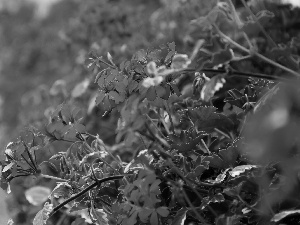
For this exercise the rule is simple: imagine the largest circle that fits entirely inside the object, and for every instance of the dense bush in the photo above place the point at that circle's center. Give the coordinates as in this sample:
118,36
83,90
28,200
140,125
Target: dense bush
202,129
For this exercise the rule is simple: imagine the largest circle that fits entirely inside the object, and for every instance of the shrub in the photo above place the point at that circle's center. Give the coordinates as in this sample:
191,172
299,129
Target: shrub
202,136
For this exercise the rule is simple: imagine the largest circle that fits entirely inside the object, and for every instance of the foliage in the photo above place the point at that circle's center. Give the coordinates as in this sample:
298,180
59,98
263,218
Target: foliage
202,136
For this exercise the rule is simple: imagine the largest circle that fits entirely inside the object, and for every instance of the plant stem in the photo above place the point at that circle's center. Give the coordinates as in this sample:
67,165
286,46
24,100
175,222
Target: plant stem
240,73
205,146
84,191
111,66
53,178
255,53
28,163
270,40
200,218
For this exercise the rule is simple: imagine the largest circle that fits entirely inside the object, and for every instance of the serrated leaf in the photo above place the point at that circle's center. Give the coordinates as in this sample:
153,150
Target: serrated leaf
180,217
279,216
241,169
37,195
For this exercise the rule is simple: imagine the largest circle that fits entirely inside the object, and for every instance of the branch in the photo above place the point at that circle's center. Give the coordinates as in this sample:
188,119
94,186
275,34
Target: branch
84,191
254,53
53,178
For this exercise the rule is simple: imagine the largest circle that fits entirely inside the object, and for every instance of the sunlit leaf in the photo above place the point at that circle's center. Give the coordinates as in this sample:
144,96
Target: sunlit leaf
212,86
241,169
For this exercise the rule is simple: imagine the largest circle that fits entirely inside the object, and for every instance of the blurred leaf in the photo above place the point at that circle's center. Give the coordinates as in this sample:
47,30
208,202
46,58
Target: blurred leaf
37,195
163,211
80,88
43,215
79,221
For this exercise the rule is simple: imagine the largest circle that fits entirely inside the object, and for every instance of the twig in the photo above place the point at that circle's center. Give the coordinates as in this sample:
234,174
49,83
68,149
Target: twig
148,117
254,53
53,178
117,177
239,73
270,40
205,146
221,132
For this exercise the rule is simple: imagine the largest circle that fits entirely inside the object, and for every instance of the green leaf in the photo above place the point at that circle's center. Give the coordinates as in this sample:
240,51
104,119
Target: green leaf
132,219
163,211
100,97
180,217
154,219
99,215
212,86
43,215
62,190
151,94
80,89
215,161
233,191
160,91
37,195
116,96
241,169
279,216
215,199
144,214
79,221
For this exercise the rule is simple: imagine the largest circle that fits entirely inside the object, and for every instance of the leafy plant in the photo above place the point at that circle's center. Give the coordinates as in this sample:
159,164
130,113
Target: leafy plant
198,140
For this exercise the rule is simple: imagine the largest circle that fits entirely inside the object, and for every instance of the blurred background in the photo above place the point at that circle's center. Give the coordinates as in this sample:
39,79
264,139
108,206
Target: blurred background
44,44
